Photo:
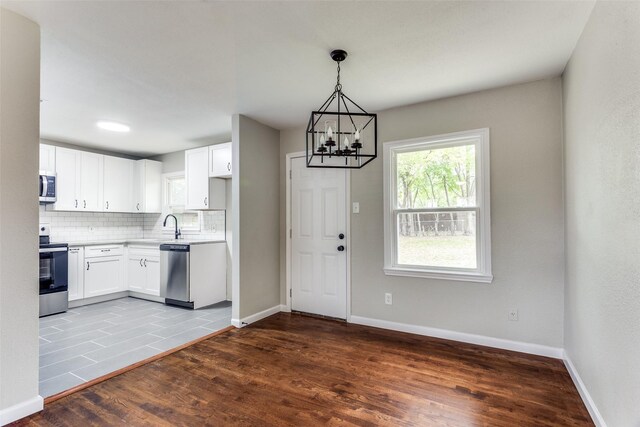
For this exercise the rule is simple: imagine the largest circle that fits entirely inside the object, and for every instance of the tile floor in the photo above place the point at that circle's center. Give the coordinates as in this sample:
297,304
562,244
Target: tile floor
87,342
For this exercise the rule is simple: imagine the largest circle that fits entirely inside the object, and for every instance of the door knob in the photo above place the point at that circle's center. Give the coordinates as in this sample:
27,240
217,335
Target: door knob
340,236
340,248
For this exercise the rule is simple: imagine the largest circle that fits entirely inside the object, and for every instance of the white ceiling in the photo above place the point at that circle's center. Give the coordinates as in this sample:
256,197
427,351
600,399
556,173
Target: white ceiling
175,71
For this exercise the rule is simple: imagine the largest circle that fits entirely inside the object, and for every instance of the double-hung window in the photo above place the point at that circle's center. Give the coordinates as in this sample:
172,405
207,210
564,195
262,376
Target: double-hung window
436,198
174,200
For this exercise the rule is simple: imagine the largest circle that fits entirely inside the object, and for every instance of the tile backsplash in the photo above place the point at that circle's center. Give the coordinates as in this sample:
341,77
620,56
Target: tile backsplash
92,226
212,227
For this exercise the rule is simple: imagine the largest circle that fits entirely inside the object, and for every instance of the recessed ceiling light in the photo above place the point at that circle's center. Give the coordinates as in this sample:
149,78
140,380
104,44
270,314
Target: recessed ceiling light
113,126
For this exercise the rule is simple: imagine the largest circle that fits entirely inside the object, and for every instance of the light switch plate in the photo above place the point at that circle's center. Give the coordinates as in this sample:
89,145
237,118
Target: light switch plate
356,207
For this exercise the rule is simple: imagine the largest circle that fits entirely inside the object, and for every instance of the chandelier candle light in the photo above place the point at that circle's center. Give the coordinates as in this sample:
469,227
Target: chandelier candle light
340,133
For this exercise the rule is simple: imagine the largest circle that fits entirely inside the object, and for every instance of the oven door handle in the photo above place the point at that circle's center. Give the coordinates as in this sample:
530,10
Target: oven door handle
47,250
43,183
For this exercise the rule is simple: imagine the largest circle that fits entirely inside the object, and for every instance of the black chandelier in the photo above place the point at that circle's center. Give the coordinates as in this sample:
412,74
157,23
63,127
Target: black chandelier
345,136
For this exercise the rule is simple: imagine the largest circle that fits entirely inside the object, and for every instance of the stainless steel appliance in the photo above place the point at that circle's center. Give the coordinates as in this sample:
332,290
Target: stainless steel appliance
54,274
175,279
47,187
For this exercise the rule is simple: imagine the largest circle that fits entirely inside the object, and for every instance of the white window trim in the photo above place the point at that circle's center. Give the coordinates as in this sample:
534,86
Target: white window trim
169,229
483,185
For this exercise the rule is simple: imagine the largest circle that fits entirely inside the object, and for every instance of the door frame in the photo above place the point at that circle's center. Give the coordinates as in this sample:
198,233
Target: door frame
347,192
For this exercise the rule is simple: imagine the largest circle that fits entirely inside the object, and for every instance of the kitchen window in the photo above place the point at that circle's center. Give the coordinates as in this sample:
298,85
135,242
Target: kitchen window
174,202
437,207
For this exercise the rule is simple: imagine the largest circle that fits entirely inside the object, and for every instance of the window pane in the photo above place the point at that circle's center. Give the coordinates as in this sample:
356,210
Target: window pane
443,239
190,220
176,192
442,177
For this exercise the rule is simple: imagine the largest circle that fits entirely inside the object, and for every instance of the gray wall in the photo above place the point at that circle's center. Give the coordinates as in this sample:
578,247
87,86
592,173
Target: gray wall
19,135
256,208
171,162
602,175
527,218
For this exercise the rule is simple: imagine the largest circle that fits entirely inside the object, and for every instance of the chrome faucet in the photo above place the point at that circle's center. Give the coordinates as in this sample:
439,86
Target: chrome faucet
164,224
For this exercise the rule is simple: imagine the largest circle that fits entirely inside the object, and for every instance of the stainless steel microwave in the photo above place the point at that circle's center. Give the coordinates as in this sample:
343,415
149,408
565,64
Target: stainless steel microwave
47,187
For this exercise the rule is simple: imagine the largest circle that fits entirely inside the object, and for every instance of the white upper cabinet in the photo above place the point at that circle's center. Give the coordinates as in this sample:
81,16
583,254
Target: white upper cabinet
118,191
47,158
196,172
147,187
220,160
79,180
91,181
68,179
203,193
98,183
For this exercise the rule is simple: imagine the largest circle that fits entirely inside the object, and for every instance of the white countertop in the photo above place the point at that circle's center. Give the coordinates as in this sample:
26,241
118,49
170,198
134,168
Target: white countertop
147,242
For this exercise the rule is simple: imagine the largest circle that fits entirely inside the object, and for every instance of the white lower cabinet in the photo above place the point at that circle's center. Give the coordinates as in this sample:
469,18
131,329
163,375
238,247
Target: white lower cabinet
76,273
103,270
143,270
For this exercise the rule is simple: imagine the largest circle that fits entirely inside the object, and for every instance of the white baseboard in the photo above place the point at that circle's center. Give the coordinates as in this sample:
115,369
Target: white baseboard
100,298
285,308
584,393
239,323
523,347
147,297
21,410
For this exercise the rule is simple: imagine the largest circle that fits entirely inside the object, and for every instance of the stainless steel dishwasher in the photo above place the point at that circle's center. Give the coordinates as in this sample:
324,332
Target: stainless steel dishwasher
174,274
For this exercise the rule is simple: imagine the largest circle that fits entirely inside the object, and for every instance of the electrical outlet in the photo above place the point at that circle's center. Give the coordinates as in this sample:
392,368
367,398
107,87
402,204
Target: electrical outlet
513,315
388,298
356,208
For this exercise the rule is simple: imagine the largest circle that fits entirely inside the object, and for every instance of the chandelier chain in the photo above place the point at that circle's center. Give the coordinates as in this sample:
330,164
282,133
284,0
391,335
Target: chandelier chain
338,85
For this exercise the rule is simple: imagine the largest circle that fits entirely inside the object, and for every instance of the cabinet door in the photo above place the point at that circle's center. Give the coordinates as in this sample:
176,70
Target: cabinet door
147,187
67,179
102,275
136,273
76,273
91,181
47,158
196,171
152,267
138,187
220,160
118,184
152,186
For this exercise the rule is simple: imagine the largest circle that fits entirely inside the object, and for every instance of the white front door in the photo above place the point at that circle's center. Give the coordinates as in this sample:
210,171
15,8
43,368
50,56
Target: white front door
318,252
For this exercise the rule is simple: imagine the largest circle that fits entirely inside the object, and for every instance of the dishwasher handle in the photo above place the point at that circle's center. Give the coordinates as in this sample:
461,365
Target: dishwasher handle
174,247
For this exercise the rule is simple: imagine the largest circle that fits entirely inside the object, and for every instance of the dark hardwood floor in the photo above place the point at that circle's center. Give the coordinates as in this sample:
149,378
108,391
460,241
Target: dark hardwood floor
303,371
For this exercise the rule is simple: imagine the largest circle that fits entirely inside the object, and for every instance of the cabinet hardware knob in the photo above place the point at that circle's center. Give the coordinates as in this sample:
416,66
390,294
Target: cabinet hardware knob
205,201
76,203
145,262
229,167
138,206
87,266
340,248
140,262
107,204
85,204
340,236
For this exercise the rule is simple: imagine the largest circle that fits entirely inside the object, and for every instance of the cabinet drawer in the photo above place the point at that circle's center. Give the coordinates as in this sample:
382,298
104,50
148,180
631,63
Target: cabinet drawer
106,250
144,251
